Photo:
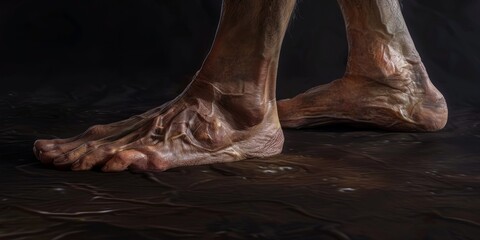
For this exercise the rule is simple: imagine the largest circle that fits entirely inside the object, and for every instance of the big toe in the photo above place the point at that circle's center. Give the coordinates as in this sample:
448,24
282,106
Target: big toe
45,150
43,145
136,159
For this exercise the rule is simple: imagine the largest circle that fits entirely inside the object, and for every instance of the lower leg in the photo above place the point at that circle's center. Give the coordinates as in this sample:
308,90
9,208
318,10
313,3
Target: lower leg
227,113
385,83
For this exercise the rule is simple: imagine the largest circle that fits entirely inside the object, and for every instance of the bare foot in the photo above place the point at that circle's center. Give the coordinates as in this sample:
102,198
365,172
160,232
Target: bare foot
227,113
412,105
189,130
385,85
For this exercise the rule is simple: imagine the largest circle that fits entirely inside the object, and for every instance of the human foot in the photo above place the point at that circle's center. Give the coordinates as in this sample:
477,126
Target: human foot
189,130
385,84
361,101
227,113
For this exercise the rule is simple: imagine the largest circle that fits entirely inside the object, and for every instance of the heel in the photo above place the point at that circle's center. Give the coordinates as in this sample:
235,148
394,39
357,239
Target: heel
271,147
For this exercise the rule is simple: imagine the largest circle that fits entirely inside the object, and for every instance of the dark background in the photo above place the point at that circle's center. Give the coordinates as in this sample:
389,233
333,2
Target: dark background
66,65
85,47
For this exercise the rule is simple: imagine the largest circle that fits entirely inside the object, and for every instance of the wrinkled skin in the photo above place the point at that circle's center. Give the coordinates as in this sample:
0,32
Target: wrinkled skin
385,85
186,131
229,111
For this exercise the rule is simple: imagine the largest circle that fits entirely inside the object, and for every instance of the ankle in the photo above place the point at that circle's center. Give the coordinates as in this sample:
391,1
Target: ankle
241,75
245,109
377,58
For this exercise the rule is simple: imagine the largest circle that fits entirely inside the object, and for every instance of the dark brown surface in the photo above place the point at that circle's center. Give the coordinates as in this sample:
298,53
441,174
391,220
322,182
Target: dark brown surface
330,183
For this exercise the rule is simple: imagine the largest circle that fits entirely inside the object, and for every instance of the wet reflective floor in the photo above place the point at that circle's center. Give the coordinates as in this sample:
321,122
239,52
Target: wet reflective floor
329,183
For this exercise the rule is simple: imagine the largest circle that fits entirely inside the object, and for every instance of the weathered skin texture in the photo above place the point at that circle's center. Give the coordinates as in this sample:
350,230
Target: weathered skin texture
187,131
227,113
385,84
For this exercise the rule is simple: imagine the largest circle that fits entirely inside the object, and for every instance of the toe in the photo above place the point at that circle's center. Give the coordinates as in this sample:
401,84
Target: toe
93,158
47,157
122,160
70,157
47,150
43,145
46,145
74,146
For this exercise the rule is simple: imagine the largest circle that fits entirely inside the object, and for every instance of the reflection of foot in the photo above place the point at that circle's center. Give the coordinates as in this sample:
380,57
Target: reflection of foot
405,101
190,130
